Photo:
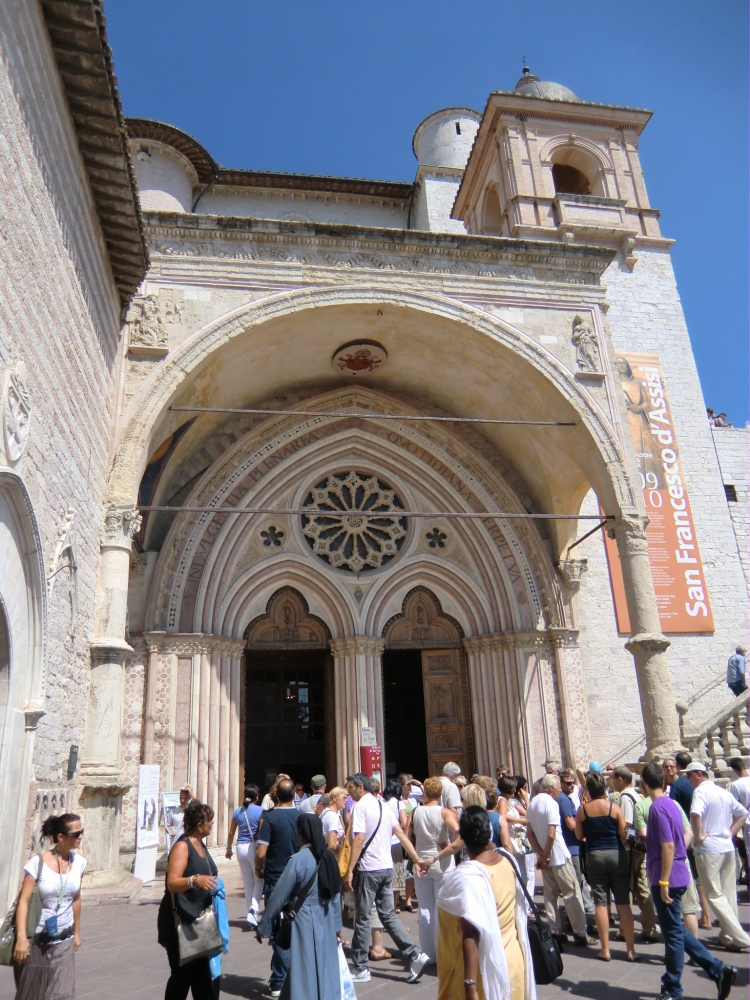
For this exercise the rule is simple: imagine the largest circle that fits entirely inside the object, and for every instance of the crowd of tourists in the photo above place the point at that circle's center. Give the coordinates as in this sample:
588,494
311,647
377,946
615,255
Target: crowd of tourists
468,851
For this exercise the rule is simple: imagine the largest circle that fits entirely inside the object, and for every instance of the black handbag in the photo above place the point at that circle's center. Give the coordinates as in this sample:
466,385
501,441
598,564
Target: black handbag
545,951
283,935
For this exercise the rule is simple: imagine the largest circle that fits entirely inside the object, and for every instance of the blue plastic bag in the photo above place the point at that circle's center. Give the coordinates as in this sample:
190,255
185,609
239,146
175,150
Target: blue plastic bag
219,897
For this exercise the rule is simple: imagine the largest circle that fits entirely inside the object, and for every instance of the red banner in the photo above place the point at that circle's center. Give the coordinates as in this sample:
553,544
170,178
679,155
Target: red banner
676,567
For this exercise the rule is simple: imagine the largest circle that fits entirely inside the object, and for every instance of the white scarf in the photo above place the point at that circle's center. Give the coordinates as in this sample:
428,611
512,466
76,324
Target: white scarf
467,893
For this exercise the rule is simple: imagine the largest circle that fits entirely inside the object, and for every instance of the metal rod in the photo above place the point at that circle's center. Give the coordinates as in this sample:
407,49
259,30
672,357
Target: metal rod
374,416
609,517
312,511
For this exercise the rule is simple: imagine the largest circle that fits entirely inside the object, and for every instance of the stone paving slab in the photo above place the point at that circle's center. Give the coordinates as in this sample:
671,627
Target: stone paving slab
120,959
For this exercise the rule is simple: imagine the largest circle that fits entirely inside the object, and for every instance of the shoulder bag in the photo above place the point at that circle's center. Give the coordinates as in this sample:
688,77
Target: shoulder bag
247,823
198,938
345,851
545,951
374,834
8,928
283,936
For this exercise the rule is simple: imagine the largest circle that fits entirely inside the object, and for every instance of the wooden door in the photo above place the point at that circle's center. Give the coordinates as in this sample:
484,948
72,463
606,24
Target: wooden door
447,710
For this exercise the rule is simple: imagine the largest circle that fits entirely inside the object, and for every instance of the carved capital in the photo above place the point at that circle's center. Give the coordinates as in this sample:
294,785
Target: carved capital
563,638
647,641
630,532
121,523
571,571
357,645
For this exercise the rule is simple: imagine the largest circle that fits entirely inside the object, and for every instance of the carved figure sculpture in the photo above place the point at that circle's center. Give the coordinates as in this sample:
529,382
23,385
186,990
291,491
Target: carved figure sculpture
586,345
17,415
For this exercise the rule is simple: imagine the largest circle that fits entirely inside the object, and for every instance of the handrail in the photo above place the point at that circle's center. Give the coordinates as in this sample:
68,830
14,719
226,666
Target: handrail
728,712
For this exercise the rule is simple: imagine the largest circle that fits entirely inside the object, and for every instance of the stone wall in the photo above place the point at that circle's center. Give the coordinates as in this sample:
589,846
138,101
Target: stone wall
732,444
646,315
60,330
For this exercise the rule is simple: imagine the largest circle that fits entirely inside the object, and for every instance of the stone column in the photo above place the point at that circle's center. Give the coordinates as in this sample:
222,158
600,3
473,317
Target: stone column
358,687
572,695
102,782
646,643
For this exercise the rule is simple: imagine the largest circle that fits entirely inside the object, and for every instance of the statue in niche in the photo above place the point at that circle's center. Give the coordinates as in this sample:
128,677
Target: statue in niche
420,615
287,614
586,345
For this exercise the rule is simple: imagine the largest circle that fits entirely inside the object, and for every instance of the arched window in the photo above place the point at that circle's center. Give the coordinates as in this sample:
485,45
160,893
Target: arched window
576,171
492,216
569,180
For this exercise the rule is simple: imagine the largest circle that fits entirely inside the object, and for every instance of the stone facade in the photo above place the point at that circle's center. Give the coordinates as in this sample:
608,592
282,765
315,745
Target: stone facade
497,288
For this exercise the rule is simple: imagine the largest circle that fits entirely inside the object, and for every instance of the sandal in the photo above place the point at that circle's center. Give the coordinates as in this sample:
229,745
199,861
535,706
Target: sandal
380,958
413,907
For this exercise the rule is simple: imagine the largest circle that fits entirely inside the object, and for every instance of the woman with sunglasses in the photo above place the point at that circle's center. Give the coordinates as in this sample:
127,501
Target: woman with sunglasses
44,967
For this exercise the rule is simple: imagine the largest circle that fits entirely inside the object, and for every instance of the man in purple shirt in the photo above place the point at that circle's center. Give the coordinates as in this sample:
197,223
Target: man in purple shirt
668,877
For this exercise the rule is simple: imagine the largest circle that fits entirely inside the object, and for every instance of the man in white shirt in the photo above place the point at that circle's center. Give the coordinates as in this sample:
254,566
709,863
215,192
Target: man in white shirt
370,878
554,861
716,817
451,793
740,787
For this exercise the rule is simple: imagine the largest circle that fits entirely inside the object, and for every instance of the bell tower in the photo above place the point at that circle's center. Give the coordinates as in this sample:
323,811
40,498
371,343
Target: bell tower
546,165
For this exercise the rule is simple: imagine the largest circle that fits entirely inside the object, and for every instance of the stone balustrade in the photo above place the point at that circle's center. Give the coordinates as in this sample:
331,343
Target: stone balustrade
726,734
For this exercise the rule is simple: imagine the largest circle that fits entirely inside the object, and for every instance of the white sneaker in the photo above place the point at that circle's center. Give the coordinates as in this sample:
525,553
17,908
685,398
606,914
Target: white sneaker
252,919
363,976
417,967
273,992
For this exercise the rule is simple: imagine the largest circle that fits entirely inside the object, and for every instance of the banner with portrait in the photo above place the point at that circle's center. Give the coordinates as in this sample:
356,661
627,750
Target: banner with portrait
676,567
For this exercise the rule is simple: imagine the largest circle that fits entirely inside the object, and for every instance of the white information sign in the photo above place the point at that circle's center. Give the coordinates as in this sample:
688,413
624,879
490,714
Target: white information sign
368,737
172,813
147,822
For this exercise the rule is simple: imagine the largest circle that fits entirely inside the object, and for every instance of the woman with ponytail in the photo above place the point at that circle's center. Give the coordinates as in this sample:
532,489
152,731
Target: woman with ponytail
44,966
246,820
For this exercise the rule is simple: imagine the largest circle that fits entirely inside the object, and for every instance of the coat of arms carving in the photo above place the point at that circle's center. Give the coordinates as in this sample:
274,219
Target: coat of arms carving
359,357
16,413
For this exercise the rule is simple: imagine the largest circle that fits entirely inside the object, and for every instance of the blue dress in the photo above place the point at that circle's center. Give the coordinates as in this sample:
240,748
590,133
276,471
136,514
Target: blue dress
314,962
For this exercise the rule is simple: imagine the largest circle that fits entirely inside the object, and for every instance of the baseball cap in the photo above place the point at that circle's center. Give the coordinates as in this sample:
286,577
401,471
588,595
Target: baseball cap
318,780
697,765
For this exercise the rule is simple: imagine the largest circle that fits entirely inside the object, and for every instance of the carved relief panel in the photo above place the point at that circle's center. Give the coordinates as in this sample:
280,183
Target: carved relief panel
287,624
447,712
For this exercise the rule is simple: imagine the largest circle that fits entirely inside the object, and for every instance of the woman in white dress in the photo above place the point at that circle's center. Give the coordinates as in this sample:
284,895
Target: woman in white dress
44,967
433,825
332,819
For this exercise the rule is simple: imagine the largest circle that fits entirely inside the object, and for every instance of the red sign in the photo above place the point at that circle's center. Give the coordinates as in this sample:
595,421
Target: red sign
676,567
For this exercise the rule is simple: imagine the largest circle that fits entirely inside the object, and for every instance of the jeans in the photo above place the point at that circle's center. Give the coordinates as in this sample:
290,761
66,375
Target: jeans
280,959
737,688
377,887
678,940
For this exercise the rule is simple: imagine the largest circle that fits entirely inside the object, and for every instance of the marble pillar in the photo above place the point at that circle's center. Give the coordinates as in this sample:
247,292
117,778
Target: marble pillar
101,779
647,644
358,693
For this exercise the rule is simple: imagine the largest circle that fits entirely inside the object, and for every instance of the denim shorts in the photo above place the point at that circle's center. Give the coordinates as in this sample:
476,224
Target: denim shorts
608,871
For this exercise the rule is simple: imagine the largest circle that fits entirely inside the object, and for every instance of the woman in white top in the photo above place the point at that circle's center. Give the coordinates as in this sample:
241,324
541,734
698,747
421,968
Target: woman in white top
433,825
331,818
514,811
44,967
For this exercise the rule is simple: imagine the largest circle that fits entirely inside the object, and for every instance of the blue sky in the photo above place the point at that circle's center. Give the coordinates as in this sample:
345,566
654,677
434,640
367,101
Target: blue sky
338,88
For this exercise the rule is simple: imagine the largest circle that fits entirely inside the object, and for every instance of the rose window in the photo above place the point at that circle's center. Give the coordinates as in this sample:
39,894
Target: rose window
341,527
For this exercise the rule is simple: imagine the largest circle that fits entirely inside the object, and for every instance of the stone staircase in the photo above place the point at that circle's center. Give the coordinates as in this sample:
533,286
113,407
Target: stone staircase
725,734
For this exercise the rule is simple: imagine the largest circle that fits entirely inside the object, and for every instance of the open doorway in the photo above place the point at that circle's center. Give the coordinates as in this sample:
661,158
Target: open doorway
404,715
286,715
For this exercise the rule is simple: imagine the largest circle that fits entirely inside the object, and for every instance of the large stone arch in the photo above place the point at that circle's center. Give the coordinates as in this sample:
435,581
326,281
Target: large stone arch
147,418
23,596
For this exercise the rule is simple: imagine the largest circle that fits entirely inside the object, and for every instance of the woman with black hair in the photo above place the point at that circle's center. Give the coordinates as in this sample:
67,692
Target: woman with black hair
44,967
246,819
483,945
392,799
191,877
313,954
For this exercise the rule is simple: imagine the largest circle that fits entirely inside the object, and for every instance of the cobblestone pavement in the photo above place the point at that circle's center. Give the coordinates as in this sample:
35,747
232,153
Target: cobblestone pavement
120,959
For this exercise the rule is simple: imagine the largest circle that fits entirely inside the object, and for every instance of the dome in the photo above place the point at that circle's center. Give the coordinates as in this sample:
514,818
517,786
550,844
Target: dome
531,86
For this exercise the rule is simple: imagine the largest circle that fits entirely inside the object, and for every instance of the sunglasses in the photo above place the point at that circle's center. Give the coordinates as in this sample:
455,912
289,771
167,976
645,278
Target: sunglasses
75,835
567,781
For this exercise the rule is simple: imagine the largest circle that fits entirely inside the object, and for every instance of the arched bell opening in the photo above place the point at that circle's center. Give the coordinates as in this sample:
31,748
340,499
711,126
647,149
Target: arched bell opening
288,695
426,704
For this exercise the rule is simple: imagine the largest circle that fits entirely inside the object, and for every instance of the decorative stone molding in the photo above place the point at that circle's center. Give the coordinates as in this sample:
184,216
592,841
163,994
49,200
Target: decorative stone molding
571,572
32,715
647,641
630,531
149,320
190,644
357,645
121,523
138,563
16,413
